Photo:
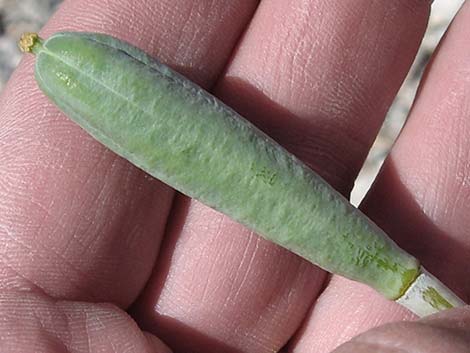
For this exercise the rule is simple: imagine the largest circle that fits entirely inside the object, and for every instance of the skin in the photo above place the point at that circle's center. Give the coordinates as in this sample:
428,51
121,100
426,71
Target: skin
79,226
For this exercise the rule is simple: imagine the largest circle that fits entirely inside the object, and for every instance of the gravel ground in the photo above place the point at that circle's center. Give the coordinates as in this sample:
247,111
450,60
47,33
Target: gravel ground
18,16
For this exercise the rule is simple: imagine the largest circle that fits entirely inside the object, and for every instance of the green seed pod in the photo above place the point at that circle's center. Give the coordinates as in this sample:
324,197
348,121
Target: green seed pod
180,134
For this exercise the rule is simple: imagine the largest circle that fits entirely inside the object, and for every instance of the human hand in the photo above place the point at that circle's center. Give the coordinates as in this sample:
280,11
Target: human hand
80,226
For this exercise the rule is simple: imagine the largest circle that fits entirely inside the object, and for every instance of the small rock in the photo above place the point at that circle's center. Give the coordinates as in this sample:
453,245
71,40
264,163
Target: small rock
16,17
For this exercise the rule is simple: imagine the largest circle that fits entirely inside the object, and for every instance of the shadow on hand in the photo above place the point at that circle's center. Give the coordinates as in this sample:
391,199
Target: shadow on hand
179,336
318,140
395,209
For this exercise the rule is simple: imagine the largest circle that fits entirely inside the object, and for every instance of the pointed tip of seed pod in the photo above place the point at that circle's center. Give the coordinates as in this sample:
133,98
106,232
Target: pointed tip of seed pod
29,42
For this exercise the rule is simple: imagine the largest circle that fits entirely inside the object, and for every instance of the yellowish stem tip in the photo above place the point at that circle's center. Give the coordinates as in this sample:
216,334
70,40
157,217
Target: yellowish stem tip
28,41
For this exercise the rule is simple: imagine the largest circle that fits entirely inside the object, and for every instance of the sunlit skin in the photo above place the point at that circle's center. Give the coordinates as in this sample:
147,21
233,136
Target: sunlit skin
85,237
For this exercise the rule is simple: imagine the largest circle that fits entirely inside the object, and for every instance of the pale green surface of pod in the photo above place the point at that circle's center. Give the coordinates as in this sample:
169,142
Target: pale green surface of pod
180,134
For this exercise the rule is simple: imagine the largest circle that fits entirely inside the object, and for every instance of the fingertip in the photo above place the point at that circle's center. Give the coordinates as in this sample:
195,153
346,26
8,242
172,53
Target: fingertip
155,344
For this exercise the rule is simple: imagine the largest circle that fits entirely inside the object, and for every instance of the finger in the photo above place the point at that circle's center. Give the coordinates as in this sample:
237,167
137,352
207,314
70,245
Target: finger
301,74
420,197
76,221
36,323
342,311
156,343
446,332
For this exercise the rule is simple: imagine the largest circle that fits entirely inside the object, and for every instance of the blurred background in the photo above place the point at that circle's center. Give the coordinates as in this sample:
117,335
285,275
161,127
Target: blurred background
18,16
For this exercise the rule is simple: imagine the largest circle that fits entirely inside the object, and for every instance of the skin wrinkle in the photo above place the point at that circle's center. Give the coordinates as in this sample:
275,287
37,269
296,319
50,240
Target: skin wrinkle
461,153
295,38
249,266
244,269
444,179
87,330
27,285
240,269
90,224
181,47
203,257
209,273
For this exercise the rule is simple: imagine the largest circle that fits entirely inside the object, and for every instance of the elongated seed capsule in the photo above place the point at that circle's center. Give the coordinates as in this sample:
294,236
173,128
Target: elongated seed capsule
177,132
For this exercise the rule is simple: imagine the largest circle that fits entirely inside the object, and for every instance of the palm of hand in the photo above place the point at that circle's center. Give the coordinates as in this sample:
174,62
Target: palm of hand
79,226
